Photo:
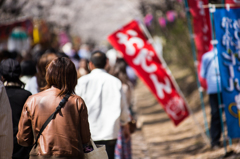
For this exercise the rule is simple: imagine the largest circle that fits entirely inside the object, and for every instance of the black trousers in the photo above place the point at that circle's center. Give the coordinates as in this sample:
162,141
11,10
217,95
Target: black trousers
110,147
215,130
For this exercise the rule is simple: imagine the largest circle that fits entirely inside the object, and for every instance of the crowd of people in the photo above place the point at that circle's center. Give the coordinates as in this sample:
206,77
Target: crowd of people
53,102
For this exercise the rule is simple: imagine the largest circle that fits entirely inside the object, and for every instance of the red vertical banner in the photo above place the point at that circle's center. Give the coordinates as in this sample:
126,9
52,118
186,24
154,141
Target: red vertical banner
140,55
202,31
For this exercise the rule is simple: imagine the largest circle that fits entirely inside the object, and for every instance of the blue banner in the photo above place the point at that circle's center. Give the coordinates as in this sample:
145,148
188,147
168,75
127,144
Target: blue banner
227,30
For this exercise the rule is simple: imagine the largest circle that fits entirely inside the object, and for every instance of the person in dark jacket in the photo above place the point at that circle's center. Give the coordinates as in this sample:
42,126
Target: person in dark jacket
11,70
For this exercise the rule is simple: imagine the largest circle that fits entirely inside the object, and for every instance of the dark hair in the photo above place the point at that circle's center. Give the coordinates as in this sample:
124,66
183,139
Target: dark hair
99,59
44,60
14,54
28,68
119,71
61,54
61,73
4,54
10,70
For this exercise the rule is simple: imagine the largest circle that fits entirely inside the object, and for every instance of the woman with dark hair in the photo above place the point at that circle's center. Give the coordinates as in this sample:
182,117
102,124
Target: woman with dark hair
119,71
83,68
123,147
66,133
11,70
36,83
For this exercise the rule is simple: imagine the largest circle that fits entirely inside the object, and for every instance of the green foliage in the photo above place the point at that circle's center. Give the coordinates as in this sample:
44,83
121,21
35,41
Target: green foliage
176,47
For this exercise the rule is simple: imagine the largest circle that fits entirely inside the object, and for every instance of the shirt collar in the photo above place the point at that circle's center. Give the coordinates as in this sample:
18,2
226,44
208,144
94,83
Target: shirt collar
97,70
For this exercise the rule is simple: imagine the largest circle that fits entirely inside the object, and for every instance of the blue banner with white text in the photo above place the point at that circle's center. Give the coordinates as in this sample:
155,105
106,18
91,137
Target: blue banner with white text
227,31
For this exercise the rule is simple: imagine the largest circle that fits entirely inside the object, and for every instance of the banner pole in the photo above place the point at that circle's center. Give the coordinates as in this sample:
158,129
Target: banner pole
175,84
230,140
200,89
214,42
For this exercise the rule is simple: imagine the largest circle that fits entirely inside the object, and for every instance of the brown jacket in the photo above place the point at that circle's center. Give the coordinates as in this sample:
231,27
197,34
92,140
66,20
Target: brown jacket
63,137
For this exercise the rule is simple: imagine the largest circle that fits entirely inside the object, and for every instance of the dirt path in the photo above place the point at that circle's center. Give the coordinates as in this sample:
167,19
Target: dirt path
160,139
139,146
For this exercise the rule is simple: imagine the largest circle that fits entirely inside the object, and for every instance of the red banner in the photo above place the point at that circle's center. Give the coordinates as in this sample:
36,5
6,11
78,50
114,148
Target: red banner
232,3
140,55
237,2
202,31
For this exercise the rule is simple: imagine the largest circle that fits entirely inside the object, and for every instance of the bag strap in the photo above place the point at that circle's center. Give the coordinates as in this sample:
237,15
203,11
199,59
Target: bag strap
61,104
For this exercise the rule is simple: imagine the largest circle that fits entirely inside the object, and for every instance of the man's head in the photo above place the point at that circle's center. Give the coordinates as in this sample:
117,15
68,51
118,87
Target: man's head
98,60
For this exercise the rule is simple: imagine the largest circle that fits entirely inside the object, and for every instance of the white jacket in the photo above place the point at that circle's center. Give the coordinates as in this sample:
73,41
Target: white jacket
106,104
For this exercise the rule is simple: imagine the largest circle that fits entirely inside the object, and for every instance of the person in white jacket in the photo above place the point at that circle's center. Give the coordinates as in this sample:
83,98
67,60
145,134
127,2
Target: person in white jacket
6,127
106,103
